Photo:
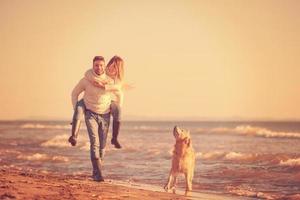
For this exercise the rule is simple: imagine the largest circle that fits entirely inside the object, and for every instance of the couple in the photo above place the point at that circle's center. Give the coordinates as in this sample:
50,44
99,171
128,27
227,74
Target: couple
103,96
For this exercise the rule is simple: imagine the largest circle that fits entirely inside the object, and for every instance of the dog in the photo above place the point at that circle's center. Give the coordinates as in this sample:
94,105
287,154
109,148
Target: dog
183,161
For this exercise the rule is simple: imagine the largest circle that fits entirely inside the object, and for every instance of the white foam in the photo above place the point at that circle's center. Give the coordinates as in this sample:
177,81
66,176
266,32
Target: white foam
237,156
149,128
32,126
86,146
36,156
60,158
44,126
221,130
247,191
210,155
265,132
224,155
291,162
9,151
57,141
255,131
43,157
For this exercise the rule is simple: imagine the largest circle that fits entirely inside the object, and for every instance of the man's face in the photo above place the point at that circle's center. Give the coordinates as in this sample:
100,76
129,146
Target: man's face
98,67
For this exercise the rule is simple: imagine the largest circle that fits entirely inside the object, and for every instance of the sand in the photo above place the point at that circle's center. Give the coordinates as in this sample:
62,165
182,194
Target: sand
20,184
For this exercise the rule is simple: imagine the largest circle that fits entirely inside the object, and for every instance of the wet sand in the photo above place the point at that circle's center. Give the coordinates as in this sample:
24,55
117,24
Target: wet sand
20,184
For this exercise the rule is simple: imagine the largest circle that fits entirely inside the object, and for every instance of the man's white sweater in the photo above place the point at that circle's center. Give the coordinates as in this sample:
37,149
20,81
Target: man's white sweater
114,88
95,99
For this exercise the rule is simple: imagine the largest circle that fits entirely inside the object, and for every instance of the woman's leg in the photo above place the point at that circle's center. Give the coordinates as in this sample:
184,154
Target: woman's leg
115,110
77,118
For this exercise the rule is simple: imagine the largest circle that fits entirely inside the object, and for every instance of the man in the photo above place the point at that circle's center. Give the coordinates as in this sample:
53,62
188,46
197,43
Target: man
96,107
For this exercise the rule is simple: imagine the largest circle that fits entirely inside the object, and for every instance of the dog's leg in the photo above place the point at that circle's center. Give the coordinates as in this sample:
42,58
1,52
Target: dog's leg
173,185
190,179
170,180
191,176
188,183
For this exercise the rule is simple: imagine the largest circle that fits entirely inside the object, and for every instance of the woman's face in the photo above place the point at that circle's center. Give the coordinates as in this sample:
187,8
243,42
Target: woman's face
111,71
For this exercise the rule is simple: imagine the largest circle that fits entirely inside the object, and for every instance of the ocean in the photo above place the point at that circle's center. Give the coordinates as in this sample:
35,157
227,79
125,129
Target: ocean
253,160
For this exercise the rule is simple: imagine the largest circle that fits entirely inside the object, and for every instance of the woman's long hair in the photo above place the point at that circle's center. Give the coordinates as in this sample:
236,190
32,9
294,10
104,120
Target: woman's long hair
118,62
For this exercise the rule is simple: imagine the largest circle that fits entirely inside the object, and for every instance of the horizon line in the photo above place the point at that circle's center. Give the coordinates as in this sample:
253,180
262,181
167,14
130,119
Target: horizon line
139,118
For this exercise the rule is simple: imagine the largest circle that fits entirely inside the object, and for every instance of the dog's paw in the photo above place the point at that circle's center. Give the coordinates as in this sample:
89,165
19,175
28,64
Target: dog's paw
187,193
166,188
173,190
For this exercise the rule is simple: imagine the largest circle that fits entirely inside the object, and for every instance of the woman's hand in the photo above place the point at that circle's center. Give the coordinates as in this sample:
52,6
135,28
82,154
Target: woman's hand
127,86
99,84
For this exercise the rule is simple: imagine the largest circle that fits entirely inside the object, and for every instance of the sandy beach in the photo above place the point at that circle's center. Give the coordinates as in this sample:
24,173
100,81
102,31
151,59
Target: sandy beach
20,184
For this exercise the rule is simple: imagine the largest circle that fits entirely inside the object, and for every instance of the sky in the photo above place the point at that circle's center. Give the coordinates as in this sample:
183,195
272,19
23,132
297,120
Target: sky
187,60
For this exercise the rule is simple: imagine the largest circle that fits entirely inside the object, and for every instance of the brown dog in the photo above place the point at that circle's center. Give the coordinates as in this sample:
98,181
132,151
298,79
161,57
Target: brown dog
183,160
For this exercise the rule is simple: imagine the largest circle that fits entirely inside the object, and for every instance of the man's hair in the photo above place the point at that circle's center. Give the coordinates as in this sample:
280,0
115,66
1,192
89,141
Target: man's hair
96,58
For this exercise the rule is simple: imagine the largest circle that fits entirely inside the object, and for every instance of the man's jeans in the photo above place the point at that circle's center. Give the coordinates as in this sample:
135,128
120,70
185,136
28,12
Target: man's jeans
97,126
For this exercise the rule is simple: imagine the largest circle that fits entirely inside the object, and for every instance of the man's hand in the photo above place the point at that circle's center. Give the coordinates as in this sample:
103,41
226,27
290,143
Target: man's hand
72,140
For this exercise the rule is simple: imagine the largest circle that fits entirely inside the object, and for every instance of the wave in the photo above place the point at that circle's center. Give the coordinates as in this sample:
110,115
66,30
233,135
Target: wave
43,126
57,141
68,126
43,157
291,162
60,158
240,130
270,159
85,146
36,156
150,128
230,156
9,151
238,156
226,156
144,128
255,131
247,191
210,155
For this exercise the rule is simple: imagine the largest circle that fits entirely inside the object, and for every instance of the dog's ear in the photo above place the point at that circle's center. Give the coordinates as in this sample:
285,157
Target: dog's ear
187,141
175,133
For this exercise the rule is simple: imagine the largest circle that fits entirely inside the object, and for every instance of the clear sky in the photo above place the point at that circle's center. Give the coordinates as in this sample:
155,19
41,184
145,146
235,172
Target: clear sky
197,59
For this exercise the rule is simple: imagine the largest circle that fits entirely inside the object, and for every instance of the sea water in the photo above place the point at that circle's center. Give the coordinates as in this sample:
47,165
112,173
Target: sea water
246,159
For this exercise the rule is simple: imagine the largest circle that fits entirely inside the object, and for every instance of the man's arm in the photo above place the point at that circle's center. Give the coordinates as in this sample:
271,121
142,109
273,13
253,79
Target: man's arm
76,92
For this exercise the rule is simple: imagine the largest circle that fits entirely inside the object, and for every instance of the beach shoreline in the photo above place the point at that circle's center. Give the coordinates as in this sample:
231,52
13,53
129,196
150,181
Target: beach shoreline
27,184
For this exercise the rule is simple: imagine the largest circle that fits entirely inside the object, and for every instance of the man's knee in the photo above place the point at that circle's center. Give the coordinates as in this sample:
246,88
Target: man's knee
95,153
102,153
